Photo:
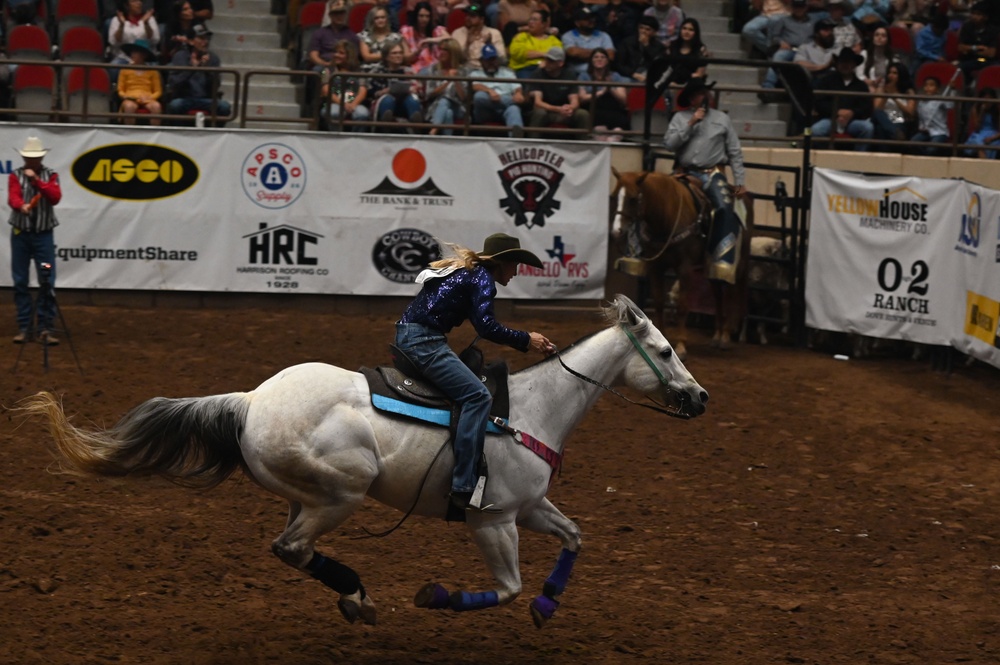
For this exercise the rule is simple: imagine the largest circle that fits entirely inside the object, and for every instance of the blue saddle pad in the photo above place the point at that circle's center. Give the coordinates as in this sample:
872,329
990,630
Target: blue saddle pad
441,417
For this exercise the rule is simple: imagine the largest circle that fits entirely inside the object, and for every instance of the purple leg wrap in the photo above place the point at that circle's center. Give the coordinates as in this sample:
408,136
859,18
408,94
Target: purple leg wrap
545,606
463,601
556,582
432,597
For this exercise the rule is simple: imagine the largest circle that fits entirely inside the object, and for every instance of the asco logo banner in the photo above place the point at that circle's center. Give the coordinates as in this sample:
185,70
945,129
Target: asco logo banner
135,171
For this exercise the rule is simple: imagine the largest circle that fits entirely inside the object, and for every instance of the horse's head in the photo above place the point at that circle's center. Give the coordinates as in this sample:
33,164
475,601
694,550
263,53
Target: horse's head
654,369
627,195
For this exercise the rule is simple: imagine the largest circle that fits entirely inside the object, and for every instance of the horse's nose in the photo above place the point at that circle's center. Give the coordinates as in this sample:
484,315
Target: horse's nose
703,396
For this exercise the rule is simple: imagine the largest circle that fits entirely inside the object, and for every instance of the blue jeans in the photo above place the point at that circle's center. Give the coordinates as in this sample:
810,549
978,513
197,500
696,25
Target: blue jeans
429,351
771,80
446,112
858,129
23,248
930,151
755,30
725,225
182,105
402,107
361,113
485,110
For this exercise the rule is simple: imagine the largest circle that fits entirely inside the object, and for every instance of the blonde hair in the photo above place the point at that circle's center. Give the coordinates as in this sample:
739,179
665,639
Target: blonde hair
462,257
454,49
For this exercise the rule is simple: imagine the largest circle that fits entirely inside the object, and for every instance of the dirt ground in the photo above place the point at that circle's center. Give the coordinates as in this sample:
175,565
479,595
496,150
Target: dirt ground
822,511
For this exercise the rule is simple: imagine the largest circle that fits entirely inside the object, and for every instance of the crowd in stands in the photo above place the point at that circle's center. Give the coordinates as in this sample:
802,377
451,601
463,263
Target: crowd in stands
143,38
894,50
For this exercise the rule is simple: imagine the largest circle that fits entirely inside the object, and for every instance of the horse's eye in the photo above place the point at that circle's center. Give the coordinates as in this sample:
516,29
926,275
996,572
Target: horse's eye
666,353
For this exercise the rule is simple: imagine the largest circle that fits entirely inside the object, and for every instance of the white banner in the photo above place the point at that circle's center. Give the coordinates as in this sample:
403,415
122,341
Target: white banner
206,210
901,258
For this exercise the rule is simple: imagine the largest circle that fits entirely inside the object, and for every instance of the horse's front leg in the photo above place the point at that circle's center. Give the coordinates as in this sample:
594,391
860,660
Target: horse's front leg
547,519
497,540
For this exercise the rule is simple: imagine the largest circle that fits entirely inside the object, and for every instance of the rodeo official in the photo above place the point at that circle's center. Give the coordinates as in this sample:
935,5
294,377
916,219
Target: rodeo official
704,141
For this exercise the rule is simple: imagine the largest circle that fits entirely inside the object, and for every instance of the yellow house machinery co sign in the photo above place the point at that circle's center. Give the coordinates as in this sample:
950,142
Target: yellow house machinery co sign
135,171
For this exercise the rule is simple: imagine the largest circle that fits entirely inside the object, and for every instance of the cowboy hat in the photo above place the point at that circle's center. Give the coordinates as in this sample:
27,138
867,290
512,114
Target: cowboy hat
507,249
139,45
847,54
695,85
33,148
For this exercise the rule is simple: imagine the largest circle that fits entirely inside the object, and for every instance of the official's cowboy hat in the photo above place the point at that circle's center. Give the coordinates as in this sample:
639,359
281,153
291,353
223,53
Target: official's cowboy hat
505,248
139,45
33,148
695,85
847,54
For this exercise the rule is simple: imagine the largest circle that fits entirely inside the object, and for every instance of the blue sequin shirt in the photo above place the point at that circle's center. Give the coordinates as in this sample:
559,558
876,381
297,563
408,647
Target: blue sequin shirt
445,302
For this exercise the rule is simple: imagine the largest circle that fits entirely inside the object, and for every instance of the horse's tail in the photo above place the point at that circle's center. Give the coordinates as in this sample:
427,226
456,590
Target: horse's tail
193,441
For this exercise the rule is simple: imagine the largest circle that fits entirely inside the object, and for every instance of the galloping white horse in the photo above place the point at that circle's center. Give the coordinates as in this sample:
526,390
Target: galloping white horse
310,434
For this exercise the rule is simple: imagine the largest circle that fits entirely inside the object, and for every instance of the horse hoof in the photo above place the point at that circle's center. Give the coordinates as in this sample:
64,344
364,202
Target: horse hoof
349,608
432,596
542,609
368,613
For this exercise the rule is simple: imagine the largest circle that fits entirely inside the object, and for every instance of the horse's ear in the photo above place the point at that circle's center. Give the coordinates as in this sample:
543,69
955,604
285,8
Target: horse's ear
615,173
640,179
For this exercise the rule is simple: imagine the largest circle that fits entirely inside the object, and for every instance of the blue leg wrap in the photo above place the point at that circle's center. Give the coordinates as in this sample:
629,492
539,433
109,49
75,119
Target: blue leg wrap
557,579
335,575
463,601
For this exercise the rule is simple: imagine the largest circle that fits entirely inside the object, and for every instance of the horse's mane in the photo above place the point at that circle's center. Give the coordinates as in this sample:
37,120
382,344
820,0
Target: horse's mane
622,311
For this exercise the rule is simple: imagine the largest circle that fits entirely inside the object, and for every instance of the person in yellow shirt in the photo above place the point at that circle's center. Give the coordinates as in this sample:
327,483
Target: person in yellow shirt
529,47
140,89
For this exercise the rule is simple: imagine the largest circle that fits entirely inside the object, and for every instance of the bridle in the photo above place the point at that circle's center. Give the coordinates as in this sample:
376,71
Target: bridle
632,211
683,397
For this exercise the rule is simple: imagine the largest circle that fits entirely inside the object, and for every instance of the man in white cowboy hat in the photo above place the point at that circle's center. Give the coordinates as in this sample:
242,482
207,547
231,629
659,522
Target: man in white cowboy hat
32,191
704,142
455,289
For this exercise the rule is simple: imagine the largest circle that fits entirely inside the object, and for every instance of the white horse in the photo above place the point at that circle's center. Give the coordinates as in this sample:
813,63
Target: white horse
310,435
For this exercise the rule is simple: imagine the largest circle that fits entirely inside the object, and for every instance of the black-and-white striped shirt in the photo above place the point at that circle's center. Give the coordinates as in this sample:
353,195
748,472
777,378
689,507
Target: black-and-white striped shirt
42,217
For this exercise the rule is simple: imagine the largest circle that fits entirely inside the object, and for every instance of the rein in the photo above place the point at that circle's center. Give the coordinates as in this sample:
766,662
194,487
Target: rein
659,408
674,238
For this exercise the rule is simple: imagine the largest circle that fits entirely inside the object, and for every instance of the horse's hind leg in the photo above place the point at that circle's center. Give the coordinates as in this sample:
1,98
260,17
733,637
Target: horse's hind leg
498,543
547,519
295,546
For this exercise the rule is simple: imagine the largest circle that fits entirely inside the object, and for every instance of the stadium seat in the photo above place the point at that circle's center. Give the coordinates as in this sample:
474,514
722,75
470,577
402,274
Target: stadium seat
901,40
34,90
74,13
356,19
943,72
310,19
81,44
988,77
92,83
455,20
951,45
29,42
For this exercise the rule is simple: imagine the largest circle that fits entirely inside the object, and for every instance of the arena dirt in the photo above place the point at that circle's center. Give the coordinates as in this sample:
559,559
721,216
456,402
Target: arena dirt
821,512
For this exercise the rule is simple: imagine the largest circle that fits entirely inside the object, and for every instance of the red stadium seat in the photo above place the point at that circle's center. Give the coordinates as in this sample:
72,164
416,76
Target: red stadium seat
82,44
29,42
92,83
951,45
988,77
636,100
455,20
356,19
900,39
310,19
74,13
34,90
943,72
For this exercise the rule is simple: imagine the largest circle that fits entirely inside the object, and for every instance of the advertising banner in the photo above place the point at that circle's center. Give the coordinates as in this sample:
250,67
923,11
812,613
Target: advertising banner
205,210
904,258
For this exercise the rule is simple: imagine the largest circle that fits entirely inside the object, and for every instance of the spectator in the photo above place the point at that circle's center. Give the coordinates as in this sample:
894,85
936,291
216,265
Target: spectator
446,98
125,28
607,103
619,19
32,191
878,54
193,90
932,118
894,109
872,12
977,41
842,115
514,17
140,89
22,12
422,36
582,40
690,50
704,141
475,34
320,49
182,19
786,34
344,91
984,124
912,14
639,51
844,31
670,15
395,97
557,103
757,29
816,56
929,44
498,98
376,35
528,48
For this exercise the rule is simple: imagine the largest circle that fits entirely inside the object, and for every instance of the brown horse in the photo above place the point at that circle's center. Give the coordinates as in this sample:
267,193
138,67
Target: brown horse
667,211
